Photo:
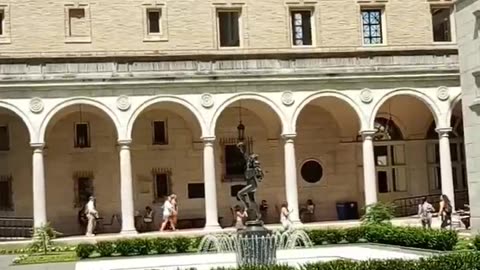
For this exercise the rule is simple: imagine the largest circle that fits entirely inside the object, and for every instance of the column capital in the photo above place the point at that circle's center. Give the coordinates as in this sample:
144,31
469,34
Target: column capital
37,146
210,139
444,131
368,134
289,136
124,142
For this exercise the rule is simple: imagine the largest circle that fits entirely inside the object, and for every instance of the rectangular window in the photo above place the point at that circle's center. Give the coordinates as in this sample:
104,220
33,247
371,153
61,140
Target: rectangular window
154,16
162,185
301,27
441,24
235,189
84,189
82,135
4,139
196,191
78,25
6,191
372,26
235,162
160,132
399,178
2,22
381,155
229,28
382,179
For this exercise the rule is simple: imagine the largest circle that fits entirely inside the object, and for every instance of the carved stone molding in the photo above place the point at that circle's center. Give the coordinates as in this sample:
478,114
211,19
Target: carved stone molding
287,98
207,100
366,96
443,93
36,105
123,103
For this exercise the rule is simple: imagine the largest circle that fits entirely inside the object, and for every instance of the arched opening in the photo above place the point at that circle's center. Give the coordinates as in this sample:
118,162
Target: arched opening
327,129
16,198
167,159
457,154
400,157
261,136
81,160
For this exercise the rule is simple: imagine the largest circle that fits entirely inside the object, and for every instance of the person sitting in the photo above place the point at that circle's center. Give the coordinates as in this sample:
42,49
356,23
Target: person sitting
240,216
310,215
148,219
264,210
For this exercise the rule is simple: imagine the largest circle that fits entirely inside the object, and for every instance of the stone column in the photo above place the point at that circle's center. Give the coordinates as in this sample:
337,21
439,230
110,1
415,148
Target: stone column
369,172
446,164
126,188
291,178
211,207
39,202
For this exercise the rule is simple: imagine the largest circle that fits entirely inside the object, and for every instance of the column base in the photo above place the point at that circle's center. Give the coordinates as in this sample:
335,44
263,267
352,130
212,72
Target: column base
129,232
297,224
212,228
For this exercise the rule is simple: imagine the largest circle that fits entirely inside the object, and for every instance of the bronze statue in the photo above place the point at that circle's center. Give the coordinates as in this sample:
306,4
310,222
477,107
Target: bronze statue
253,175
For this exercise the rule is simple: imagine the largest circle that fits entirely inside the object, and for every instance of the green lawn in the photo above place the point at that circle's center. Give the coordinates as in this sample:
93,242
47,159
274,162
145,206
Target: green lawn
54,257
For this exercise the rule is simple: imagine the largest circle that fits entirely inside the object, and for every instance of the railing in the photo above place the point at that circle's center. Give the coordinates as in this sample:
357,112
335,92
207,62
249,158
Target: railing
15,227
409,206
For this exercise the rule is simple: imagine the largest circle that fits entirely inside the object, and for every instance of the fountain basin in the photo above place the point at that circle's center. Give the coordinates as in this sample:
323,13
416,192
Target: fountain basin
294,257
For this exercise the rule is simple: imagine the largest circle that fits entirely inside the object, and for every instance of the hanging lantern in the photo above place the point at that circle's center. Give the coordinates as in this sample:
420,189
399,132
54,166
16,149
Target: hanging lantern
241,131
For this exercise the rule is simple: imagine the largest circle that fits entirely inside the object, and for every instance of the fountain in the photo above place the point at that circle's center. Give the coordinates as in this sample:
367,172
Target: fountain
254,245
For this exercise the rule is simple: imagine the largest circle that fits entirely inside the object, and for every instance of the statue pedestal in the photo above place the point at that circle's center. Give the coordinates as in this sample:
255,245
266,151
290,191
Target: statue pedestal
256,245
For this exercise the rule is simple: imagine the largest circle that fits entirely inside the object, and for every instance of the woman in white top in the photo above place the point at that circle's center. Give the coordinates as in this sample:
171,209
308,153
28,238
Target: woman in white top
167,214
285,216
240,216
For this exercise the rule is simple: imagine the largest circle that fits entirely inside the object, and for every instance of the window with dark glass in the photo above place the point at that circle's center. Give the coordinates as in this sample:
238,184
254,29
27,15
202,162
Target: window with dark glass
78,24
2,18
311,171
382,179
82,135
196,191
234,160
160,132
441,24
162,185
235,189
301,27
229,28
6,200
154,16
372,26
4,138
84,189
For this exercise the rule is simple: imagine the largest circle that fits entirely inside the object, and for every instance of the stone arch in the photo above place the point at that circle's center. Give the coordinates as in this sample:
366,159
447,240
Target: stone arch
248,96
327,93
10,107
165,99
452,106
431,105
77,101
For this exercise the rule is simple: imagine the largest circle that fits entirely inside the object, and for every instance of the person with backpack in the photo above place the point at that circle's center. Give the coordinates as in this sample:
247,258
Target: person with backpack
445,211
425,210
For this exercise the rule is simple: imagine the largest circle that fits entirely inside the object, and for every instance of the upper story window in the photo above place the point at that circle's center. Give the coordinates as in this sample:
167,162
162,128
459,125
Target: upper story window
229,28
2,22
160,135
77,28
82,135
372,26
301,27
4,138
154,21
442,24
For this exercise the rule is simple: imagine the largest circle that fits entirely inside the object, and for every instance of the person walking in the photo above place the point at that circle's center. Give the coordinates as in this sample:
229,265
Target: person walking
167,214
175,210
285,216
92,215
425,210
445,211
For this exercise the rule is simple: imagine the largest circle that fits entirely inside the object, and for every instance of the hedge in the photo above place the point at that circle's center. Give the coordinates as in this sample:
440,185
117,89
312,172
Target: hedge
453,261
392,235
400,236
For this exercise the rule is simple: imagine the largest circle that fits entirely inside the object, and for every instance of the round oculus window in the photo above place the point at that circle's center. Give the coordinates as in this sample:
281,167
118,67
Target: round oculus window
312,171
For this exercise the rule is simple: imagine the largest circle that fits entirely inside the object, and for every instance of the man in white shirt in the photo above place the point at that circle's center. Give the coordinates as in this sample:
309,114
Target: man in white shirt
92,215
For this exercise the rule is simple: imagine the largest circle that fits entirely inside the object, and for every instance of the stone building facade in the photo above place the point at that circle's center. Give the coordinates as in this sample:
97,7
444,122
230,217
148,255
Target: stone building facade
468,29
343,101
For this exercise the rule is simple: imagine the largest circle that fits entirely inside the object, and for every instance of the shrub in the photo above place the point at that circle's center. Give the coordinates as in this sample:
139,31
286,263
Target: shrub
181,244
105,248
476,242
161,245
42,239
84,250
142,246
378,213
355,234
126,247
